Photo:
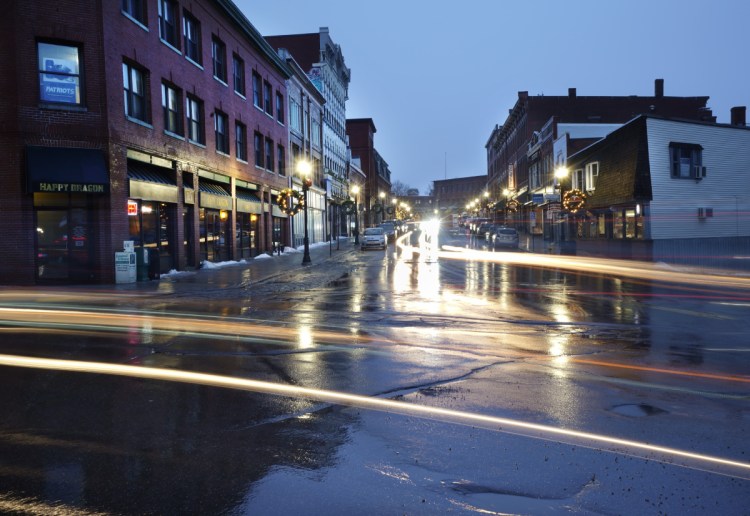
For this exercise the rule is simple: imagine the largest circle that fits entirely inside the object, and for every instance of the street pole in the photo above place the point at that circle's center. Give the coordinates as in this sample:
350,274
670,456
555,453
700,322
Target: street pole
355,191
304,169
306,257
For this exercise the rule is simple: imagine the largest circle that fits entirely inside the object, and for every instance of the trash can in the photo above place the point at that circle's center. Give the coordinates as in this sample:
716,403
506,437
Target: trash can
154,264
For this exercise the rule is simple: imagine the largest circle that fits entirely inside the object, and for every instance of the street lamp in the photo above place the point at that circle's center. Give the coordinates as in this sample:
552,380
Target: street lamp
303,169
355,191
561,173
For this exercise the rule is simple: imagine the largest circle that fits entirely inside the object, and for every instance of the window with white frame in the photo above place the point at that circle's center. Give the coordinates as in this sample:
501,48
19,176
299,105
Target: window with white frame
578,180
295,120
592,172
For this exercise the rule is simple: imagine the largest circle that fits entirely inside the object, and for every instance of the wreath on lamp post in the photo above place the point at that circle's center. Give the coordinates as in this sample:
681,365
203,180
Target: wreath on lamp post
512,205
291,201
349,207
574,200
378,208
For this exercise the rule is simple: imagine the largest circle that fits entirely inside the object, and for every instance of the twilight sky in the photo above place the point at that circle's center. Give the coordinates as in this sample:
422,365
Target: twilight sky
437,76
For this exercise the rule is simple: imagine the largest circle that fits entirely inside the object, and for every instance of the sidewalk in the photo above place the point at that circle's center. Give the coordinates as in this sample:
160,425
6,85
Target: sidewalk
245,273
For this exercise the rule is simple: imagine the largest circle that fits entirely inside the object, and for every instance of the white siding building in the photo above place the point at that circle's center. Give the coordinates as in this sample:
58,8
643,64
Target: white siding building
665,190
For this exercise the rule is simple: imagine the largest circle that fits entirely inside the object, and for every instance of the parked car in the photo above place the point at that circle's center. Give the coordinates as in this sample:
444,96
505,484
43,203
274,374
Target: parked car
505,237
373,237
482,229
490,232
390,231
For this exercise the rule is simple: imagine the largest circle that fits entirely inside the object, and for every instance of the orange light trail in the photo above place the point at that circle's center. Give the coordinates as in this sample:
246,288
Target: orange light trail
352,400
694,374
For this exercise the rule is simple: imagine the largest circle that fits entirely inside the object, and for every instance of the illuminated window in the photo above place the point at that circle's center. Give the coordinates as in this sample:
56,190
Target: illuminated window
59,74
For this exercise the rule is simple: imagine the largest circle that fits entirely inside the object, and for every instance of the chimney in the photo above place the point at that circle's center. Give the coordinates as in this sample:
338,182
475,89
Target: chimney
659,88
738,116
523,95
571,92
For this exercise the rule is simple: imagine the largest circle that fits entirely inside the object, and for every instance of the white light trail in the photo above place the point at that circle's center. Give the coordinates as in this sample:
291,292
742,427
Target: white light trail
380,404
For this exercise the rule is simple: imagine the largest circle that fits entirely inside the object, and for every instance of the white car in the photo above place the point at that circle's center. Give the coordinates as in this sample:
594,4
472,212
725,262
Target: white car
373,237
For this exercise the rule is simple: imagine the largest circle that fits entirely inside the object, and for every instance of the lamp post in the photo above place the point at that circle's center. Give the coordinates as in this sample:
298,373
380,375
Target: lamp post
561,173
381,195
355,192
303,169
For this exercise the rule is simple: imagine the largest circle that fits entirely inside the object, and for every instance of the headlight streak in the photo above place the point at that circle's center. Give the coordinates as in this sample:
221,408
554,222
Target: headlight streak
380,404
279,336
617,268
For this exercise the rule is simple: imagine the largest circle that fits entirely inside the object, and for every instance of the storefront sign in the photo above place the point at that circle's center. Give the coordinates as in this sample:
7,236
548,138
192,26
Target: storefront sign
132,208
70,188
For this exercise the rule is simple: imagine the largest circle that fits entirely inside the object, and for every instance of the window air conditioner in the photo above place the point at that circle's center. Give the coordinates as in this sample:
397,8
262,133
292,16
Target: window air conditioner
699,172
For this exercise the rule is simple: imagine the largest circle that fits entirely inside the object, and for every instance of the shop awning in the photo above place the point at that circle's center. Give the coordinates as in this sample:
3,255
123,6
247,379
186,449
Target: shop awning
64,170
248,201
152,183
140,171
213,195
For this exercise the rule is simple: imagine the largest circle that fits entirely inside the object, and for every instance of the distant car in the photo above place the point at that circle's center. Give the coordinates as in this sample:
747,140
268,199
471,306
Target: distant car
390,231
373,237
505,237
482,229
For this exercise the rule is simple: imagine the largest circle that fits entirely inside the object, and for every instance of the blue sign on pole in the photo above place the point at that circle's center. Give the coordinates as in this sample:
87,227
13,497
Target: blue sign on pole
537,198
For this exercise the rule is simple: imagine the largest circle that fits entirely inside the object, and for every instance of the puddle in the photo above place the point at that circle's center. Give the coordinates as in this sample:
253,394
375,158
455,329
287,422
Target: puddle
637,410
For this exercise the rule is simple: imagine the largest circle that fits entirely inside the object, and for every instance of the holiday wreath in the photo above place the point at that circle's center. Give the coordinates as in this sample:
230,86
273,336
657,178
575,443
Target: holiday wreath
291,201
574,200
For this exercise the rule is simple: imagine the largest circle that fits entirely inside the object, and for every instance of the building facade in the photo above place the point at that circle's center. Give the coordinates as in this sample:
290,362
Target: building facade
323,62
306,113
663,189
160,123
452,196
377,192
520,154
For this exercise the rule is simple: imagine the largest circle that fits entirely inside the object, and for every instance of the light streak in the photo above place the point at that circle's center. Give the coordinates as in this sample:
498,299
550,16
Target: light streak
694,374
639,270
372,403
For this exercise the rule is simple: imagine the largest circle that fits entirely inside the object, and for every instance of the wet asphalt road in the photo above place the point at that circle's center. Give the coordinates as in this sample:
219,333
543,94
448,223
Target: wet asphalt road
654,363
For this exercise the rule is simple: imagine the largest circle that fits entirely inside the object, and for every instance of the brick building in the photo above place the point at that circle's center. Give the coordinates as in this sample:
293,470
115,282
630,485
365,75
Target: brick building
520,152
163,123
377,193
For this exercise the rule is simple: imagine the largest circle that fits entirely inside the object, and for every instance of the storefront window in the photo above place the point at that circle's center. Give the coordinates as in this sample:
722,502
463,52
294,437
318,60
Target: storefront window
617,224
214,231
247,227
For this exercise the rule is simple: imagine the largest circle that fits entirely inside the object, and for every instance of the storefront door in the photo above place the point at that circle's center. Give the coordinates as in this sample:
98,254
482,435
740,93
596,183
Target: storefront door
63,251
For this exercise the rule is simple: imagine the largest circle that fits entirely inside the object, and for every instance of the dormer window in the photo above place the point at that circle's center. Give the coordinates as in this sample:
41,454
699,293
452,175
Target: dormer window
686,161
